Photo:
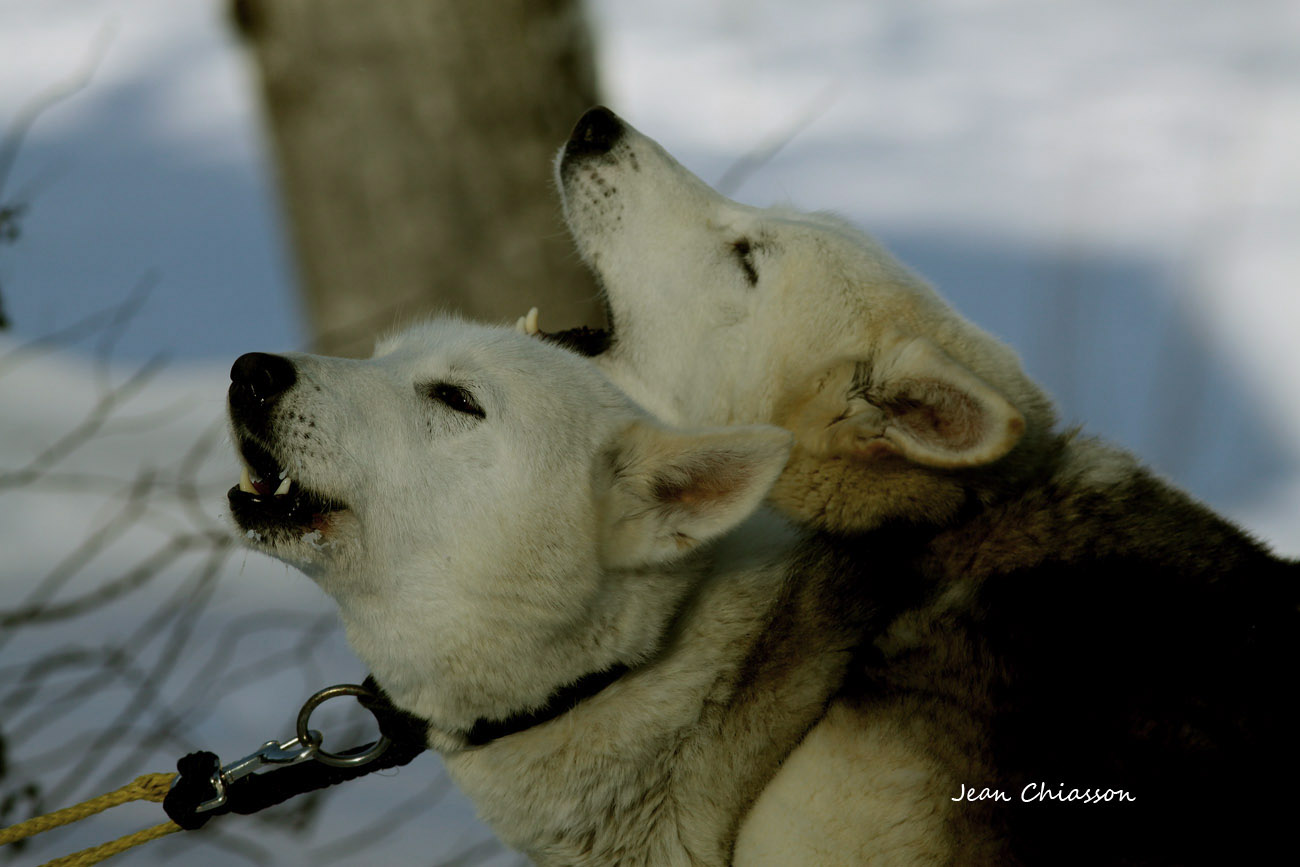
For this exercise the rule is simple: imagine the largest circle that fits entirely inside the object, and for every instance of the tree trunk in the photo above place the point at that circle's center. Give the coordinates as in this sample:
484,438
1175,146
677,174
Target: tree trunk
414,141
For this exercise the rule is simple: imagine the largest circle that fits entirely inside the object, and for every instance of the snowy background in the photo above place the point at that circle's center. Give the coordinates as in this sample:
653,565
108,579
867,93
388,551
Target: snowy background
1112,187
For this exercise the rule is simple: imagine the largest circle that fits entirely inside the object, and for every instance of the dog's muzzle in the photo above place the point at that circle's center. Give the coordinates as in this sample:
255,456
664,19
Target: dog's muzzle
266,496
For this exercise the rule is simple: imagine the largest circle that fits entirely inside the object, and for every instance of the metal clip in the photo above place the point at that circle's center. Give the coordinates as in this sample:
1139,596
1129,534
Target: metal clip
305,747
271,753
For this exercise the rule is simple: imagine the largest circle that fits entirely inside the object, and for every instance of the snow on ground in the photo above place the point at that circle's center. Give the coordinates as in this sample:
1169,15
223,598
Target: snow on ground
1110,186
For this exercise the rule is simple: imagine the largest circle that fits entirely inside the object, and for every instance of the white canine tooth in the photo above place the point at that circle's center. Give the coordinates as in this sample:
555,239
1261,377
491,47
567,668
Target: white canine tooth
527,324
284,487
246,482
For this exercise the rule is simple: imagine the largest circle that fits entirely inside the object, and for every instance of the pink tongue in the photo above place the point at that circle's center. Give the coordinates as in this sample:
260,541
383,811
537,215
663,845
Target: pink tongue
265,486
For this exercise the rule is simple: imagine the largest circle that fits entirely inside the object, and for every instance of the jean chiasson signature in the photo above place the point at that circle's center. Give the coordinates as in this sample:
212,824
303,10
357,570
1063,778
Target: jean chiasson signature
1041,792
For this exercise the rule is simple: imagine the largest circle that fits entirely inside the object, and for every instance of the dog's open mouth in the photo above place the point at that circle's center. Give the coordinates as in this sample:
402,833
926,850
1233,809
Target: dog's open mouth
582,340
268,498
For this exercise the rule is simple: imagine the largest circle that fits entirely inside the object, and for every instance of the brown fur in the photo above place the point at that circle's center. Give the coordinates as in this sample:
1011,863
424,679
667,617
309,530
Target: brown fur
1099,628
830,483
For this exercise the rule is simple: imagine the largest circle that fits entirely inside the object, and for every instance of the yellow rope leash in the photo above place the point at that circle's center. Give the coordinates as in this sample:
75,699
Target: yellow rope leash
149,787
205,788
95,854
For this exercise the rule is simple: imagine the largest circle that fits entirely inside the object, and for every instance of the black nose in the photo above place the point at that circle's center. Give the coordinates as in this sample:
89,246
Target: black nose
257,377
595,133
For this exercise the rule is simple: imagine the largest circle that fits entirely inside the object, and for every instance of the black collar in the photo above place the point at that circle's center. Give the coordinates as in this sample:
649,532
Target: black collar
563,700
406,728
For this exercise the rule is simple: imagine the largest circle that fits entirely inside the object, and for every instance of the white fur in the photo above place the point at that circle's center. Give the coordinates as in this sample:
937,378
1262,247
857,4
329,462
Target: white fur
697,343
481,563
858,790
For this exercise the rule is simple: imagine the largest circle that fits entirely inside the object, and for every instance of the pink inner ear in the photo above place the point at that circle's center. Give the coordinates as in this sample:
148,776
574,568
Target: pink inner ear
678,495
938,414
710,480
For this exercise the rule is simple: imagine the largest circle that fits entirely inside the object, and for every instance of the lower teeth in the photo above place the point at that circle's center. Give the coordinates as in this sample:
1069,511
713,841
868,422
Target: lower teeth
249,486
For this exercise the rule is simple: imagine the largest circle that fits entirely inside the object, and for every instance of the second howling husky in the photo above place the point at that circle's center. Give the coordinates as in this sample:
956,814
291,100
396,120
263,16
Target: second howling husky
1078,626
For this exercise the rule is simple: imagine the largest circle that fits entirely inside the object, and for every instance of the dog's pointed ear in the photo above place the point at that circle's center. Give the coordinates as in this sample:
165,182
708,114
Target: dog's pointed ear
919,402
668,491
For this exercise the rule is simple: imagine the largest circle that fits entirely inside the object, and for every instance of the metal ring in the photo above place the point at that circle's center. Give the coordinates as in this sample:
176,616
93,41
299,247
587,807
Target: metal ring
324,756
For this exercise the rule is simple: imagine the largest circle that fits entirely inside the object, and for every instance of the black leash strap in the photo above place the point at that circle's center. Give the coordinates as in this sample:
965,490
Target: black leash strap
205,789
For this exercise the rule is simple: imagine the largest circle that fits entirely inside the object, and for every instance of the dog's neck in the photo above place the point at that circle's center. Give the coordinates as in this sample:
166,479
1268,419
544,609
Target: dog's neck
503,667
410,731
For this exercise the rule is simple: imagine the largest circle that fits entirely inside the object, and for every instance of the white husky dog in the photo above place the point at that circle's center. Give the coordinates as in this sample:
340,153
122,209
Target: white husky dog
613,650
1082,625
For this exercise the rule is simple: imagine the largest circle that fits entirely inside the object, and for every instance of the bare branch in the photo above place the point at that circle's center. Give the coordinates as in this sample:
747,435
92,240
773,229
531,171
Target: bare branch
92,323
146,571
364,838
61,91
91,425
72,564
745,167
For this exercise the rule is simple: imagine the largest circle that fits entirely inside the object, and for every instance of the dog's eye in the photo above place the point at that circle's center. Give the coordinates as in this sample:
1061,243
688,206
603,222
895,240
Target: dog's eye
455,397
744,252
